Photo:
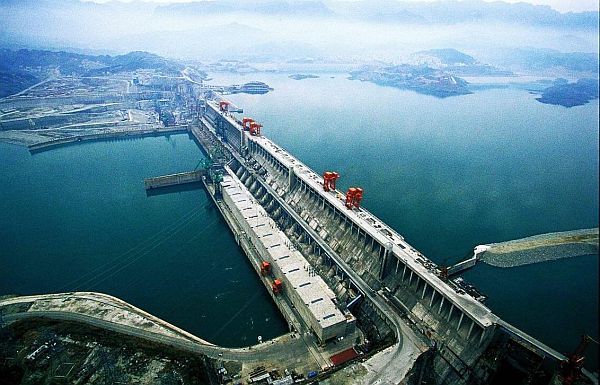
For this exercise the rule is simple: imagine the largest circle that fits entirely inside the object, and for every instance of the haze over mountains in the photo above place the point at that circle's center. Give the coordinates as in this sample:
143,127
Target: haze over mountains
268,30
392,11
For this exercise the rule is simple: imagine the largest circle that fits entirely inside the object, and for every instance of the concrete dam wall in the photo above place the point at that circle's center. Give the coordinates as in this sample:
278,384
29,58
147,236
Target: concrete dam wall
362,259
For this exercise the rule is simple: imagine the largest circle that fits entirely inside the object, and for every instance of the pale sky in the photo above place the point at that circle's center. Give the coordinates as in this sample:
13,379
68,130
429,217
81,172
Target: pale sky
559,5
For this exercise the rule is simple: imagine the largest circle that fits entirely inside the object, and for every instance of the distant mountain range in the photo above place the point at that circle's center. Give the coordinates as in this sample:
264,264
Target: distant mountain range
392,11
453,12
536,59
262,30
289,8
88,65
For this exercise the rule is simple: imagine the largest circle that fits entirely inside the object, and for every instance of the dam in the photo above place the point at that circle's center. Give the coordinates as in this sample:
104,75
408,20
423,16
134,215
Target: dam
359,258
377,253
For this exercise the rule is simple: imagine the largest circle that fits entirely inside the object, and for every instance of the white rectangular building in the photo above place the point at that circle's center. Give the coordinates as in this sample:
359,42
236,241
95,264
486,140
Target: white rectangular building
307,291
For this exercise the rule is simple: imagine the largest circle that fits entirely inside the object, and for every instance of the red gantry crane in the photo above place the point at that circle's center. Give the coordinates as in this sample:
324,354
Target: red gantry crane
329,178
246,123
358,196
265,268
255,128
354,196
277,286
224,105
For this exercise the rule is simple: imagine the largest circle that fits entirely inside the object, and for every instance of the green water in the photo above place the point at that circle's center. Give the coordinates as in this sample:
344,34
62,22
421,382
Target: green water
78,218
448,174
453,173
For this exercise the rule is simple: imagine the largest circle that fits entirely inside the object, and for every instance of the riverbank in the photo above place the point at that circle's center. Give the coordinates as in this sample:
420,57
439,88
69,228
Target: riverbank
540,248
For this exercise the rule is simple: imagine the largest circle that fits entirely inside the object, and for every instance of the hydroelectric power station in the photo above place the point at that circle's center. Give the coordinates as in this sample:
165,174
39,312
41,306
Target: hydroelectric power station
335,270
363,306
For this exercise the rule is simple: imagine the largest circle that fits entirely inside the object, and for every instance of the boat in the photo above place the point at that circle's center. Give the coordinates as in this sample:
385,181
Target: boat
252,88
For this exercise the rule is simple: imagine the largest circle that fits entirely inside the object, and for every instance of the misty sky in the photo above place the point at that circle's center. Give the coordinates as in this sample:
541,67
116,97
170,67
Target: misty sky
351,31
559,5
564,5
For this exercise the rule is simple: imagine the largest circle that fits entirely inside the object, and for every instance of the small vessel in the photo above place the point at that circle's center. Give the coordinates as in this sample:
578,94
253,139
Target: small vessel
252,88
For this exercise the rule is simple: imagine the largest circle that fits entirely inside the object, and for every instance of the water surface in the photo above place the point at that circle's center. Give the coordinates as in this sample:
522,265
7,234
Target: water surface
78,218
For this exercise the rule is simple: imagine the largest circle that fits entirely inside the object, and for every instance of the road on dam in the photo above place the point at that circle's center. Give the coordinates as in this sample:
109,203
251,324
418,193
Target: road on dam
282,348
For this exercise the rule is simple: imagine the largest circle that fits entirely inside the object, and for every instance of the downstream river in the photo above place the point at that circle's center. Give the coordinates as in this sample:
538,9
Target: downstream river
78,218
448,174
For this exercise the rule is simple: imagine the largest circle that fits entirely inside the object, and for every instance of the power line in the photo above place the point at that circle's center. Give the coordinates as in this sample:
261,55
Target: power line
116,262
85,276
135,259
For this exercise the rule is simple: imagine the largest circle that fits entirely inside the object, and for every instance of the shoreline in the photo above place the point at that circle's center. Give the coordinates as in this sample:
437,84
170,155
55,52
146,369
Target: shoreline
95,136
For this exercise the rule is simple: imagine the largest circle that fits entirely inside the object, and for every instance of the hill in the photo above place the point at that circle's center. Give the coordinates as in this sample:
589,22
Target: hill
22,68
570,94
79,64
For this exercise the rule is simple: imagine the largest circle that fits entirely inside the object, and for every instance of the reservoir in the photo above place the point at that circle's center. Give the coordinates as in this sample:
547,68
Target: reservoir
447,174
78,218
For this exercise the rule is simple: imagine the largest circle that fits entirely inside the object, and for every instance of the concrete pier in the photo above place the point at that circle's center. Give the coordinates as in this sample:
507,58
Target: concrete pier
173,179
106,135
462,266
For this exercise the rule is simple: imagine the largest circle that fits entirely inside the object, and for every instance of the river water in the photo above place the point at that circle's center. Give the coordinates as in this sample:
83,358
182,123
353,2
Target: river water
448,174
78,218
